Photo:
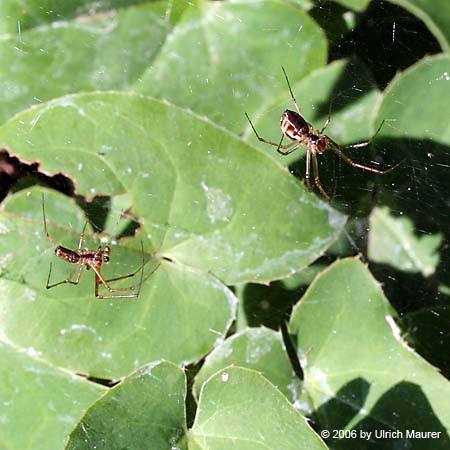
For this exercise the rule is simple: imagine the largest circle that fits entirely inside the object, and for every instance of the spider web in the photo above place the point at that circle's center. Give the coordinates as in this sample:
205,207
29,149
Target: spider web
411,203
418,193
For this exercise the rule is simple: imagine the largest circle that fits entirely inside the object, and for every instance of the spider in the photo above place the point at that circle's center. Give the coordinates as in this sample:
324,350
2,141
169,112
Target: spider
92,259
295,128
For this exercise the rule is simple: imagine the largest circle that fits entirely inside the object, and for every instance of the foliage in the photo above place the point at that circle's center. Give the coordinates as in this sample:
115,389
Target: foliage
128,118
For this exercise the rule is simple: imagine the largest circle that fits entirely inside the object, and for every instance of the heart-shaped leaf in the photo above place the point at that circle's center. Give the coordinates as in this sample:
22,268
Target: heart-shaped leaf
146,410
180,175
358,372
76,331
233,51
259,349
392,241
417,135
217,48
239,408
418,188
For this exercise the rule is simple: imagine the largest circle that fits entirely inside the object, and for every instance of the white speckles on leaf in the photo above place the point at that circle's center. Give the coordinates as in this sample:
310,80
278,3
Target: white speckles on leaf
320,379
219,205
148,369
76,327
258,347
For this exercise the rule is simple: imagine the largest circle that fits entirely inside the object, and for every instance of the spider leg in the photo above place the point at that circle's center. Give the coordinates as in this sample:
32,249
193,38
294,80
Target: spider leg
308,169
82,236
291,147
328,118
316,176
123,277
68,280
45,221
363,144
99,279
290,90
139,269
338,150
266,141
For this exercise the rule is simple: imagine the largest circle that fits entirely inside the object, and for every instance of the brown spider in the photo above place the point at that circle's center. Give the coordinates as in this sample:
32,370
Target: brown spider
92,259
295,128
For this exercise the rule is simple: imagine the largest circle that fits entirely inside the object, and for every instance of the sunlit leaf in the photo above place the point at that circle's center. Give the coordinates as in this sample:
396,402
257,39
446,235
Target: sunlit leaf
146,410
259,349
414,132
18,16
196,221
417,135
71,327
228,57
392,241
217,47
196,189
358,372
239,408
105,50
40,403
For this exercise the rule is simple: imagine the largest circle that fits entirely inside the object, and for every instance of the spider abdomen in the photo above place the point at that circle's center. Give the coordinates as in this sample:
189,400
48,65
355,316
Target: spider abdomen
293,125
67,254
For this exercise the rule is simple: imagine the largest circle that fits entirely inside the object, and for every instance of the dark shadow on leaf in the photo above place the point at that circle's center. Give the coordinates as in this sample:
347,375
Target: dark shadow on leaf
401,409
337,412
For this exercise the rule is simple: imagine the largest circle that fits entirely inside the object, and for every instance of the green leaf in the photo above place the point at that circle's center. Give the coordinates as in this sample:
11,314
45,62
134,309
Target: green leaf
392,241
81,54
76,331
228,58
181,172
196,221
358,372
432,97
240,409
40,403
145,409
435,15
81,50
260,349
414,132
18,16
